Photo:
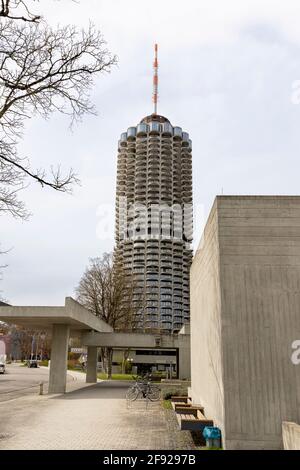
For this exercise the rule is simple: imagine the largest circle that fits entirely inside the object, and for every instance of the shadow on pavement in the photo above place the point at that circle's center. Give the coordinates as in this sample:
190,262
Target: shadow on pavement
107,389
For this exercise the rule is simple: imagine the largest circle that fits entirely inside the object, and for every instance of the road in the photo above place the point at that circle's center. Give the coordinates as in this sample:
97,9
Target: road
19,381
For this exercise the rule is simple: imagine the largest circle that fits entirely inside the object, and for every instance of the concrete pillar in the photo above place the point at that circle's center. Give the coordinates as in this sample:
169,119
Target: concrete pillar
184,363
59,356
92,359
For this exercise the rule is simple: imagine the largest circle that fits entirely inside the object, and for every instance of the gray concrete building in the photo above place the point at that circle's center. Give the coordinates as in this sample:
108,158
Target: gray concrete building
245,318
154,219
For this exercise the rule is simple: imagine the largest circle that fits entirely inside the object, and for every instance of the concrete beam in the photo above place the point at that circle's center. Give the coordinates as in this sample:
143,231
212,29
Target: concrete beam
59,356
129,340
92,358
42,318
142,340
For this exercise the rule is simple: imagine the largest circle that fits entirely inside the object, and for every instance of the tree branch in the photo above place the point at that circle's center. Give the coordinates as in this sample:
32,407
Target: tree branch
58,183
7,6
42,70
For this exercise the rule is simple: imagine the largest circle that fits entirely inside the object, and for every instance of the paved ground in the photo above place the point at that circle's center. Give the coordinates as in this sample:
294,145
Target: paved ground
88,417
19,381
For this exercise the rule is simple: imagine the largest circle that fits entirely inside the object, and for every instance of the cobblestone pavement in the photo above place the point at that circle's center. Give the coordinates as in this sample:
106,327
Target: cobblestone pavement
89,417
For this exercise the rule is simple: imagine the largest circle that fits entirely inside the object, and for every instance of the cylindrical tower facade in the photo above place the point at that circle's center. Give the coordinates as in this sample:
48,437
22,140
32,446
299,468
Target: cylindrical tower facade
154,220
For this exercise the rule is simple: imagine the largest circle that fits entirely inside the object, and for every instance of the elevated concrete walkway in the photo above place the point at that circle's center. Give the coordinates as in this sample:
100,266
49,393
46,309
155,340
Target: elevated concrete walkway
180,342
63,321
72,314
74,319
130,340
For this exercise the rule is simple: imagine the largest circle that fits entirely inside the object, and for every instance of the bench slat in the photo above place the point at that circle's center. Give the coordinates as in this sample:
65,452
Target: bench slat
179,403
179,399
191,422
187,417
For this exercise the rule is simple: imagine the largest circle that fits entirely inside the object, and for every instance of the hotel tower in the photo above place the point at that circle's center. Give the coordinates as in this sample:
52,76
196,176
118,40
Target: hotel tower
154,217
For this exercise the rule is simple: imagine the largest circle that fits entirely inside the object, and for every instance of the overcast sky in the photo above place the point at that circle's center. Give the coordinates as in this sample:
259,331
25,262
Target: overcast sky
226,75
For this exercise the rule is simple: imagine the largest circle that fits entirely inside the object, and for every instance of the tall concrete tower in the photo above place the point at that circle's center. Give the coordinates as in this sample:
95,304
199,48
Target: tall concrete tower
154,217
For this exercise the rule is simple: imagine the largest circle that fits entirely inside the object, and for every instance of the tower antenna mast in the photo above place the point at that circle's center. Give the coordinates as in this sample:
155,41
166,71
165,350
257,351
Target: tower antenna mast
155,79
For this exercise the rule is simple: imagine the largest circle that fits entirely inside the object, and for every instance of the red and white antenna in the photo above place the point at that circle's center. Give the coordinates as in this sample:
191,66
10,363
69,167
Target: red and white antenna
155,79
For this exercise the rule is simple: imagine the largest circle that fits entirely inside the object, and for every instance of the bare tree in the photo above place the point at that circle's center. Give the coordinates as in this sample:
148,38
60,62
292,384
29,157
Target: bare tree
1,267
111,295
42,70
18,10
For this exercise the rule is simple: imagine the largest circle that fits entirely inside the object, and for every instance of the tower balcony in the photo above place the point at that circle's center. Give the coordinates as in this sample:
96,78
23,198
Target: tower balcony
154,127
167,129
142,129
152,283
166,290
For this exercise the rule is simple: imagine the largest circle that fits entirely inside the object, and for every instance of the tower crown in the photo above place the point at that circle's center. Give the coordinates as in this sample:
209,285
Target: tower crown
155,117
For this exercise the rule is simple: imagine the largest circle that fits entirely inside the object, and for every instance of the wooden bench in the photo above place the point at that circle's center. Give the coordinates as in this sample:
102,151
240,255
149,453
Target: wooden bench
202,419
186,421
174,404
188,409
193,421
183,399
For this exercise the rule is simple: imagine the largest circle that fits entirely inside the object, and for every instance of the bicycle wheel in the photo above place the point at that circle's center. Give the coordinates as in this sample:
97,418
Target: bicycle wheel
153,393
132,393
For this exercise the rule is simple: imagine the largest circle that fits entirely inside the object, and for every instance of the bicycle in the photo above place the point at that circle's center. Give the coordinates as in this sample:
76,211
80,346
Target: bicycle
143,388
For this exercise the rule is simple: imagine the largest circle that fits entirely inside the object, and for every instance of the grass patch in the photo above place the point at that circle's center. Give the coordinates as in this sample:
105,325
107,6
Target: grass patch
44,363
166,404
76,369
211,448
103,376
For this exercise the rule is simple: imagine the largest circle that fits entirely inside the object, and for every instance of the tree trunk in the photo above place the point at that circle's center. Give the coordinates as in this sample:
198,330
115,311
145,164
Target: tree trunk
103,359
125,358
109,362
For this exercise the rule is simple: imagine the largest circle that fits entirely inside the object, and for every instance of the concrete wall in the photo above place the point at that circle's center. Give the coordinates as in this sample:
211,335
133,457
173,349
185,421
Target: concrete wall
206,364
291,436
255,241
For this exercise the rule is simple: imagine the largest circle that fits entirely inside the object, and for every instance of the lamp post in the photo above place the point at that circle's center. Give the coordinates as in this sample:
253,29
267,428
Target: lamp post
130,360
171,369
42,336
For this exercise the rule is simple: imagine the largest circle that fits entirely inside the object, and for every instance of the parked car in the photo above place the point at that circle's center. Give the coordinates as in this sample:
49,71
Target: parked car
2,368
32,363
